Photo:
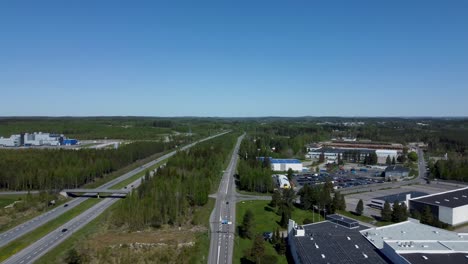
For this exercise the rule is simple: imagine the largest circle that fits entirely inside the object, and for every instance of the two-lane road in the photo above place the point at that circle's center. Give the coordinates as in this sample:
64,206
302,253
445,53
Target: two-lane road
223,217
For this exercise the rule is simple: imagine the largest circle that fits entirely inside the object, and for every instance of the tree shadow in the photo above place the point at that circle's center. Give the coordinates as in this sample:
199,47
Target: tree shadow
244,260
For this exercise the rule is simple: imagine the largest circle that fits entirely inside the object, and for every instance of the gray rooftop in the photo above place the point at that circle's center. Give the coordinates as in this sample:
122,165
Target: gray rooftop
396,168
327,242
451,199
412,236
422,258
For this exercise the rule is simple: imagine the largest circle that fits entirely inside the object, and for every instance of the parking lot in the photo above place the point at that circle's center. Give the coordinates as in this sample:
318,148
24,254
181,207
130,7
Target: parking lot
341,179
353,199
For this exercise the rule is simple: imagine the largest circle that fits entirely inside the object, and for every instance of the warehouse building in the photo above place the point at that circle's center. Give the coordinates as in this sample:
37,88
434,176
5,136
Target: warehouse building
450,207
331,154
410,242
396,173
285,164
36,139
383,154
336,240
12,141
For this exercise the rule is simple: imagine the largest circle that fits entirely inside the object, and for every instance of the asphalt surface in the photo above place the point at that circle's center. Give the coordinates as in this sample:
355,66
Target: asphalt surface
222,235
94,211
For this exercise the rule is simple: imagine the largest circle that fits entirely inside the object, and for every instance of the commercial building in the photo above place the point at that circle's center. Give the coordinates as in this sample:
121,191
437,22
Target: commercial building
285,164
331,154
450,207
396,172
12,141
336,240
414,243
282,181
402,197
383,154
36,139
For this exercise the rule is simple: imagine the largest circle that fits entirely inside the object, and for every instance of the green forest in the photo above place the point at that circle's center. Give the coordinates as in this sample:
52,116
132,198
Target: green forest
88,128
52,169
177,189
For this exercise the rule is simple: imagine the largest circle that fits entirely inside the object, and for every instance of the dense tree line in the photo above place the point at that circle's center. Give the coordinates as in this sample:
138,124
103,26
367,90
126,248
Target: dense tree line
451,169
173,193
322,197
254,175
46,169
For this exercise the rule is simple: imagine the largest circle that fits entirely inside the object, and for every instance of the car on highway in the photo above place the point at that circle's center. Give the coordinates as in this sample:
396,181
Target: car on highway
65,205
64,230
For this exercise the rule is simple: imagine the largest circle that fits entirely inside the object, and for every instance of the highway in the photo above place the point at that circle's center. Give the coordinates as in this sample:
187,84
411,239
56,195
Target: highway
222,234
40,220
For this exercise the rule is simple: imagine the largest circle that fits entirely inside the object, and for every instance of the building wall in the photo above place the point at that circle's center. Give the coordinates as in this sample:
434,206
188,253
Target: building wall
391,254
286,166
446,215
419,206
460,215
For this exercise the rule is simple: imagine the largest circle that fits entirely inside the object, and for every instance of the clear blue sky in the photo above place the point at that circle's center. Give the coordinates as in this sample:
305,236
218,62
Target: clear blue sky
234,58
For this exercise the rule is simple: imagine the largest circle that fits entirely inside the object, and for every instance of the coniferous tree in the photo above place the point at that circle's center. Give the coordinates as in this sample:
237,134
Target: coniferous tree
388,161
386,212
426,216
360,207
396,212
247,225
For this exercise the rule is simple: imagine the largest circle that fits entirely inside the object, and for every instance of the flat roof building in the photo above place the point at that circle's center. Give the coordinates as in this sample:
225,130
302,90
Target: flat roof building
284,164
331,242
396,172
412,242
450,207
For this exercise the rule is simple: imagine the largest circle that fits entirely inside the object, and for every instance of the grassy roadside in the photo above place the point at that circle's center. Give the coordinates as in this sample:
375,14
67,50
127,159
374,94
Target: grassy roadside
265,219
20,219
24,241
57,254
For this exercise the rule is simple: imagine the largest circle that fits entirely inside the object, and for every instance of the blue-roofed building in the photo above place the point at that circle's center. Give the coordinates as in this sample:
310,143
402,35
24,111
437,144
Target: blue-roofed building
284,164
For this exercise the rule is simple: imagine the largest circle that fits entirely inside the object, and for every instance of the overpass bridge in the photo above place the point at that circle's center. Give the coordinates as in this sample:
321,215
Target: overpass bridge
97,192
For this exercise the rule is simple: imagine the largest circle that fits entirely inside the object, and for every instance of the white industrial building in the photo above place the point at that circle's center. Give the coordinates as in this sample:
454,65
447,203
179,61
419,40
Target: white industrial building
41,139
382,155
450,207
282,181
410,242
285,164
12,141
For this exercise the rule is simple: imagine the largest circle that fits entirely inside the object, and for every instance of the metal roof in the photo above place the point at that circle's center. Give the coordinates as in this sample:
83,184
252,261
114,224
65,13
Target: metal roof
400,197
285,161
451,199
396,168
327,242
413,231
423,258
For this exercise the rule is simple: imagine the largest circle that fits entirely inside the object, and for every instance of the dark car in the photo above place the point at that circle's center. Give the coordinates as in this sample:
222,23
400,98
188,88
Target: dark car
65,205
64,230
227,202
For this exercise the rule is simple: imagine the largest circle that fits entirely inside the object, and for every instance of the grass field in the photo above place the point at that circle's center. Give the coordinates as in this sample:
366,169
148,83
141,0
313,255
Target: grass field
265,219
9,199
24,241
